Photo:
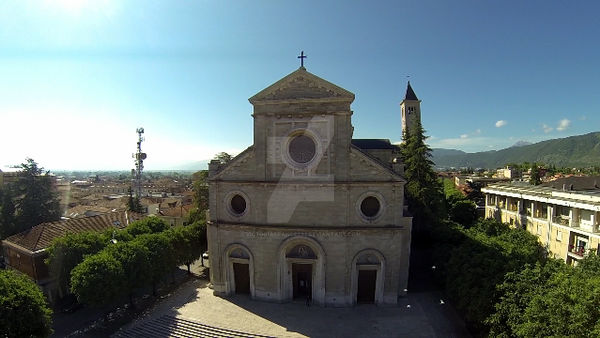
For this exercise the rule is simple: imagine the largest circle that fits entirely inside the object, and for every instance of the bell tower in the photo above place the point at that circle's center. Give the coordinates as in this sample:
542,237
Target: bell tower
411,110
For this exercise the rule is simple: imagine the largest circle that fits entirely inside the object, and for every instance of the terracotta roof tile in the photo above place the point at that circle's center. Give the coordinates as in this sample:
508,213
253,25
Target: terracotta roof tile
40,236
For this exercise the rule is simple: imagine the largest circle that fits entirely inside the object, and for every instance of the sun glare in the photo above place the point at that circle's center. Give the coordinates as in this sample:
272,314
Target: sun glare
71,7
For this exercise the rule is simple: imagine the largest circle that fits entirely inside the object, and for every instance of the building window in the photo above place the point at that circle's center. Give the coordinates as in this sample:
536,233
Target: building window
558,235
237,203
539,230
370,206
302,149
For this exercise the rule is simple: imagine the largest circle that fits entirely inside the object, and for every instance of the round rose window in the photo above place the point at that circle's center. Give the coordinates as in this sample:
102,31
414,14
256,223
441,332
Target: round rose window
302,149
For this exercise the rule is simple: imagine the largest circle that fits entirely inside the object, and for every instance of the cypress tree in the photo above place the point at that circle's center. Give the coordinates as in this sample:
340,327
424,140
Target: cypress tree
424,192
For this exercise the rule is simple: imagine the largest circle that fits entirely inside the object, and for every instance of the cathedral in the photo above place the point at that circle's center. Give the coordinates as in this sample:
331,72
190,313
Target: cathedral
307,213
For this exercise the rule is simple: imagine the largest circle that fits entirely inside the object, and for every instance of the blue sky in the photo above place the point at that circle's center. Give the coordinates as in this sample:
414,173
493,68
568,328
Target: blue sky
78,77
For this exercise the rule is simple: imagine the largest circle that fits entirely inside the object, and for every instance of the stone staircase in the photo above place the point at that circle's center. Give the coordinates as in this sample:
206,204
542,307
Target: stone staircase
169,326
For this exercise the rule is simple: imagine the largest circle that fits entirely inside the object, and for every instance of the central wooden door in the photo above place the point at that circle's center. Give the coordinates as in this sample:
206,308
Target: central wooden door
241,276
366,286
302,280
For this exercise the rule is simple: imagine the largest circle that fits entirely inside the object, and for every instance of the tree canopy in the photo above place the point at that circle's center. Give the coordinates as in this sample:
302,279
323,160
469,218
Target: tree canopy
460,208
223,157
140,258
24,310
423,189
471,262
66,252
551,299
29,201
200,186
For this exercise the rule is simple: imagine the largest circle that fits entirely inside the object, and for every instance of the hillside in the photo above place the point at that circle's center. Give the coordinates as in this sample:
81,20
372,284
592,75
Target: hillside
573,151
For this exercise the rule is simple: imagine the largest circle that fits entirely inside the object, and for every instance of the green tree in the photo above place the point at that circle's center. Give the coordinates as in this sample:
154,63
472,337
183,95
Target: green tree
423,189
223,157
161,254
189,243
134,259
24,311
516,293
66,252
133,203
566,305
7,213
200,186
148,225
99,279
34,200
535,178
463,212
460,209
37,201
488,251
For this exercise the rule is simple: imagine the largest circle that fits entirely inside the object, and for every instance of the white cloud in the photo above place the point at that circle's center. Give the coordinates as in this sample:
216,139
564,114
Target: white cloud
500,123
464,136
467,144
563,124
547,128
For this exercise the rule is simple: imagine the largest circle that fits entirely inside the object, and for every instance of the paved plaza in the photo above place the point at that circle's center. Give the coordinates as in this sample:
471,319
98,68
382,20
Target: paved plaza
419,314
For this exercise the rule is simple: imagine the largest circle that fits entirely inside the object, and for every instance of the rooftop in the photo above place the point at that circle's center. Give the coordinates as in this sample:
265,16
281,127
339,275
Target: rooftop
372,143
41,236
586,199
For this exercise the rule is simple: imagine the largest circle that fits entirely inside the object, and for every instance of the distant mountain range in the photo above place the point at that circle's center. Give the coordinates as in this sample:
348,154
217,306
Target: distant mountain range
573,151
192,166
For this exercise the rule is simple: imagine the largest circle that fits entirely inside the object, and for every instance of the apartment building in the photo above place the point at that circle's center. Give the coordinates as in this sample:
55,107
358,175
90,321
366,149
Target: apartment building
565,221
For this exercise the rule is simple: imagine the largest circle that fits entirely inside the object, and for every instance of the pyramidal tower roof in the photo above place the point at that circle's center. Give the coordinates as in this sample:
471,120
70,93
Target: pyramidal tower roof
410,93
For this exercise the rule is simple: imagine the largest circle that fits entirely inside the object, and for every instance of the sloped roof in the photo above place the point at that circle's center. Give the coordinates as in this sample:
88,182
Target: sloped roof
576,183
376,162
180,211
373,143
410,93
301,85
40,236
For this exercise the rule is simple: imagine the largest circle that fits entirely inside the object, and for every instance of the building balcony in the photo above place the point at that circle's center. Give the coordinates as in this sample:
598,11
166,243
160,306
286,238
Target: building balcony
560,220
577,251
588,226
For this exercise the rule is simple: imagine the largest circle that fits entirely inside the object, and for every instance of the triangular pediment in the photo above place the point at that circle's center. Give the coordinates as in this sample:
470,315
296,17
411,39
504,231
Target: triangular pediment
301,85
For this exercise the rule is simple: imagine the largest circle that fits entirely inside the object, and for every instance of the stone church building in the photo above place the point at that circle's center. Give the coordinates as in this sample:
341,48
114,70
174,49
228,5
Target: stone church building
307,212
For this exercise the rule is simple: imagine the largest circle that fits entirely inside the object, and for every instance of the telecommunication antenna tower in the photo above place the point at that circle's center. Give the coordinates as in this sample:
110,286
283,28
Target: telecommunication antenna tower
139,164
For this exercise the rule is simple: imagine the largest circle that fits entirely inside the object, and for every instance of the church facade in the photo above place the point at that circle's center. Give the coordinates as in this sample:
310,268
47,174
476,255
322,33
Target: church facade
307,212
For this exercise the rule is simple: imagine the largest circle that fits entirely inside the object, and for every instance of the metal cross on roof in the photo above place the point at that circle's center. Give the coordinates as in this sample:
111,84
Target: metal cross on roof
302,57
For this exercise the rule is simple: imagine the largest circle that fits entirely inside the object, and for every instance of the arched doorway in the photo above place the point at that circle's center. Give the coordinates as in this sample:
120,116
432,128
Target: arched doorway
368,272
302,270
240,270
